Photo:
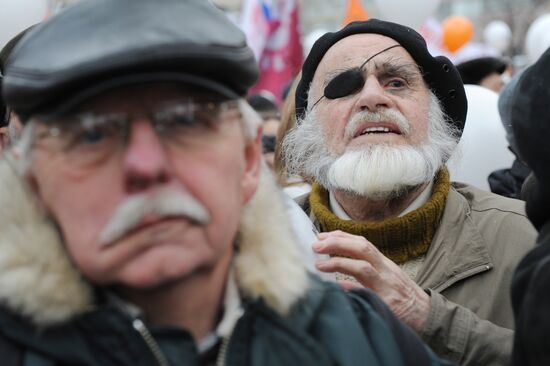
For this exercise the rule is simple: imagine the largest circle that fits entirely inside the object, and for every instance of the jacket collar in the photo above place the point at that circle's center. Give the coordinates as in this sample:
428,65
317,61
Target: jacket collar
39,281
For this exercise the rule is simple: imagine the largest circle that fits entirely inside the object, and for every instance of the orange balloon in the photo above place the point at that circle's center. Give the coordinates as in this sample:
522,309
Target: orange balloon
457,31
355,11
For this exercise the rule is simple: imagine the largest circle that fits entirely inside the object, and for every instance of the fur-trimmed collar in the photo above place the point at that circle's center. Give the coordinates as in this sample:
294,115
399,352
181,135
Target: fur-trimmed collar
38,280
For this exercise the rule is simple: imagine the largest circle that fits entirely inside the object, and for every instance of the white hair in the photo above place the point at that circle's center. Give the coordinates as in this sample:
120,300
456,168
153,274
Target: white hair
13,133
376,171
23,146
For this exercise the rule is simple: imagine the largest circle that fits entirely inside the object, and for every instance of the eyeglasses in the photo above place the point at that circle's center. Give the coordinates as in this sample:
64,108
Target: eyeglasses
348,82
89,138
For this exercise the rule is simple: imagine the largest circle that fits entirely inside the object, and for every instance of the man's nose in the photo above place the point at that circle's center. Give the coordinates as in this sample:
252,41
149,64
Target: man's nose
146,163
373,96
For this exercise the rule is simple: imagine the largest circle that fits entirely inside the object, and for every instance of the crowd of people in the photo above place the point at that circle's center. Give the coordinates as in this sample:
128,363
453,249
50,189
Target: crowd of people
154,213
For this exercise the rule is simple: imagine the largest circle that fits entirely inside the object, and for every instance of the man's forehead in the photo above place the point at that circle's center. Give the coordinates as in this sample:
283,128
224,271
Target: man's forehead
354,50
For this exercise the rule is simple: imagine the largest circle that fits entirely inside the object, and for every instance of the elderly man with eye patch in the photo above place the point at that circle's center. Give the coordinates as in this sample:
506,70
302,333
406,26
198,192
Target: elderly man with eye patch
140,226
377,119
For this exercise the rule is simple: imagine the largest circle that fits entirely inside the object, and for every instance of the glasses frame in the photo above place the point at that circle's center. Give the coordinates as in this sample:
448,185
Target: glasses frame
56,128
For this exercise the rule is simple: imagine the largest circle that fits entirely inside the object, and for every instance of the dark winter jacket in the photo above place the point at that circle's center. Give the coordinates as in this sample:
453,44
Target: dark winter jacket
328,327
508,182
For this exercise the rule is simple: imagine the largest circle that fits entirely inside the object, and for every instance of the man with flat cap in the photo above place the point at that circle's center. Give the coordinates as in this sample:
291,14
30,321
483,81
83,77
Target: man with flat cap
142,228
377,119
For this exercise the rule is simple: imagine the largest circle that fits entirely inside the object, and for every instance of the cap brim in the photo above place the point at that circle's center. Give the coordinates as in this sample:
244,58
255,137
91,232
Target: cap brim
69,104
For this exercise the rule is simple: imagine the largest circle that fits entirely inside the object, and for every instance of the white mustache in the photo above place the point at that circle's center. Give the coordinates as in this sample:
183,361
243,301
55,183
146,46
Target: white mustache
384,115
164,202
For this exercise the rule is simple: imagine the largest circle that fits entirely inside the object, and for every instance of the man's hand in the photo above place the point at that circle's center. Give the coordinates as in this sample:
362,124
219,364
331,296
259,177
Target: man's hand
373,270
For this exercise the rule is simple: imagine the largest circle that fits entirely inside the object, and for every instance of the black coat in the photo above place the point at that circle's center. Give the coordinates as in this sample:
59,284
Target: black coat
531,303
508,182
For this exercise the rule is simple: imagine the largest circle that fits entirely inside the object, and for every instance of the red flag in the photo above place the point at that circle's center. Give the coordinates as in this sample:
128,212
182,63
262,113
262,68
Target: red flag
272,29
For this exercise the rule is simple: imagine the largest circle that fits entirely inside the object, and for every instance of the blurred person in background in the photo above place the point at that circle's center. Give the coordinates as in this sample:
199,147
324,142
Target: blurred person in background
489,72
292,185
264,103
377,119
139,227
531,282
508,182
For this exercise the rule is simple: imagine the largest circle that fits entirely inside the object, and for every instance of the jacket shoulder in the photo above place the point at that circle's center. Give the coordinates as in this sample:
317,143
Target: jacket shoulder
501,221
482,201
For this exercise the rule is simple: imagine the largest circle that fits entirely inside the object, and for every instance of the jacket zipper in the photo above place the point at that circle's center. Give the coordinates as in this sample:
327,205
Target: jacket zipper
140,327
222,355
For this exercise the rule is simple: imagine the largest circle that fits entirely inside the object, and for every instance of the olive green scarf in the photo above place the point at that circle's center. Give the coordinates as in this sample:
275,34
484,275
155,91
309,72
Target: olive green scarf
400,239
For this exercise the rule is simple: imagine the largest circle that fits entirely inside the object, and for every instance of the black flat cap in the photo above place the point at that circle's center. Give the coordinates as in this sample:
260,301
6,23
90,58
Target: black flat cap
531,126
98,44
439,72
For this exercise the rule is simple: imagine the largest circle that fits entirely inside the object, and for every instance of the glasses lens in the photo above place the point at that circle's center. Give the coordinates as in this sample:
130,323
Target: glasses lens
87,139
347,83
179,122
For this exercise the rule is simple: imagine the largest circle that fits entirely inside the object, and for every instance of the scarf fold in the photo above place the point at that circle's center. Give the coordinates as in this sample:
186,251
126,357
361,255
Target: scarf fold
400,239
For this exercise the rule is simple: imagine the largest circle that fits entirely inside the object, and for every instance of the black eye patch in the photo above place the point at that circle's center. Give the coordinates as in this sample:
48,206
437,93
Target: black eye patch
347,83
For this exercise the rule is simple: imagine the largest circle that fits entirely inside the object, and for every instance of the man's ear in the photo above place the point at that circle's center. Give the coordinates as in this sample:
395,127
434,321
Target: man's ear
253,162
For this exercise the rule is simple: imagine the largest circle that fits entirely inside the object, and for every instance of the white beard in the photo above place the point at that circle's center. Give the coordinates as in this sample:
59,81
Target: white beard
375,171
380,172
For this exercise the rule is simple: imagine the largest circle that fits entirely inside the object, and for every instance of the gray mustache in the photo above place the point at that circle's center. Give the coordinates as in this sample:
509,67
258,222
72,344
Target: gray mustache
162,203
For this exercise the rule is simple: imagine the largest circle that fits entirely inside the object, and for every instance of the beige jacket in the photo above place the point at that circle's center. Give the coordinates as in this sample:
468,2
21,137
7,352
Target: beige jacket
468,271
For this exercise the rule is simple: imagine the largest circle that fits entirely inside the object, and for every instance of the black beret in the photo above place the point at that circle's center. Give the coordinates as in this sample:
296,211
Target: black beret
439,72
473,71
98,44
531,126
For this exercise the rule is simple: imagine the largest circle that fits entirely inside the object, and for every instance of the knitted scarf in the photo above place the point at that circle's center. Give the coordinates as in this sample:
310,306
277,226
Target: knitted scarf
400,239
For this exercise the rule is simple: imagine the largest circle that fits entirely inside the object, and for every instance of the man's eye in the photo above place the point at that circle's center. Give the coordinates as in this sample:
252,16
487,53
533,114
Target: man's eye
396,83
174,118
92,130
91,136
87,137
184,119
196,119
